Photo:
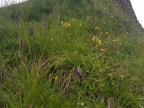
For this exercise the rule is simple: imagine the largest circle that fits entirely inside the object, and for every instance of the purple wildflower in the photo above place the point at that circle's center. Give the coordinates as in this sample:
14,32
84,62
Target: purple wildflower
78,72
99,12
21,43
31,31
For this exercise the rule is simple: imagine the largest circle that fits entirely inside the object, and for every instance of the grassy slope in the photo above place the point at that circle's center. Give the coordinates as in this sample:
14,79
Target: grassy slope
44,43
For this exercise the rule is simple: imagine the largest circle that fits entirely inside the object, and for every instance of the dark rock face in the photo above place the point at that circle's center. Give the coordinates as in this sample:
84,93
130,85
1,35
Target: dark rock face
127,8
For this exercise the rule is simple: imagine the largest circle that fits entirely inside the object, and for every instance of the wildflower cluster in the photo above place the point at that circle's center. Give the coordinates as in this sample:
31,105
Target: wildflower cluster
107,33
65,24
115,40
97,28
96,40
103,41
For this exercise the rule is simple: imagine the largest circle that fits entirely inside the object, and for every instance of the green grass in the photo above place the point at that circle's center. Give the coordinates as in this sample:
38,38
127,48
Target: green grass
43,44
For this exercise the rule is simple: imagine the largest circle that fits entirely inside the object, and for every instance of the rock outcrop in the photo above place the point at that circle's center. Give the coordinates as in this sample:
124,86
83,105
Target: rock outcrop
127,8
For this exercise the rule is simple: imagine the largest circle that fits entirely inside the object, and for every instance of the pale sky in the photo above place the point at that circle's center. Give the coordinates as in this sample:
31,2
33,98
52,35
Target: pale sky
5,2
138,6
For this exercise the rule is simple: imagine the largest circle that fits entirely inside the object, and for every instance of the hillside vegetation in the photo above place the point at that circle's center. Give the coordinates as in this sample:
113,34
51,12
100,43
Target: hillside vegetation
70,54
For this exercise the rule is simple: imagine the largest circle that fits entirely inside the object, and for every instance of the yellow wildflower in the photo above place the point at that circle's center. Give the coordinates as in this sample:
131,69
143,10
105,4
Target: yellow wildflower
93,38
97,28
102,50
98,42
56,78
116,40
112,17
106,33
65,24
68,25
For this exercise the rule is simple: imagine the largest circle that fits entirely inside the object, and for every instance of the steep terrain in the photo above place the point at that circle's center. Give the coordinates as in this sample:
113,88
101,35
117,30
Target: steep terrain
71,54
127,8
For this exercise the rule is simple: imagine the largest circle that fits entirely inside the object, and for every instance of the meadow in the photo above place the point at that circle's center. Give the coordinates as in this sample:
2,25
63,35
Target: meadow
70,54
